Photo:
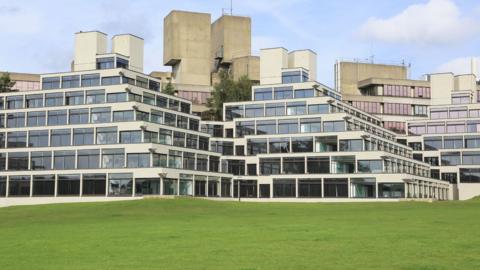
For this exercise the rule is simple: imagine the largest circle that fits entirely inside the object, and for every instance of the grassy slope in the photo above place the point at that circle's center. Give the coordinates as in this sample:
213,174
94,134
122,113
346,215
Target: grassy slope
199,234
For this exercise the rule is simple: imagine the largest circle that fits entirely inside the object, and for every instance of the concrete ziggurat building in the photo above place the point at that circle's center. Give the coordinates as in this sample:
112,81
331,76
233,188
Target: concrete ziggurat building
104,129
438,117
197,50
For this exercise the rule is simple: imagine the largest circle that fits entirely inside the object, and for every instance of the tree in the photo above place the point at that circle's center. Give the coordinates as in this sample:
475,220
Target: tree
6,83
227,90
169,89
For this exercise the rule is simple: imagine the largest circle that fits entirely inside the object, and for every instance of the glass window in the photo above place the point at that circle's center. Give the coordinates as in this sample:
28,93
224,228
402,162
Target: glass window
274,109
50,83
296,108
38,138
14,102
157,117
469,175
150,136
105,63
153,85
262,93
88,159
245,128
60,137
473,126
122,63
74,98
17,139
113,158
162,102
453,142
123,116
19,185
148,98
90,80
309,125
304,93
318,109
284,188
35,119
170,119
256,146
472,141
3,162
160,160
450,158
333,126
288,126
16,119
291,77
285,92
266,127
82,136
279,145
63,160
192,141
294,165
318,165
120,184
130,136
70,81
95,97
269,166
34,101
18,161
111,80
78,116
370,166
43,185
116,97
391,190
94,184
182,121
53,99
184,107
165,136
58,117
142,82
179,139
174,159
254,110
302,144
232,112
432,143
107,135
41,160
471,158
203,143
173,104
193,124
188,161
138,160
101,115
351,145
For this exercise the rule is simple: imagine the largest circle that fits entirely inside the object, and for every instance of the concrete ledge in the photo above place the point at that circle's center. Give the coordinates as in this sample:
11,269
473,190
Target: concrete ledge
5,202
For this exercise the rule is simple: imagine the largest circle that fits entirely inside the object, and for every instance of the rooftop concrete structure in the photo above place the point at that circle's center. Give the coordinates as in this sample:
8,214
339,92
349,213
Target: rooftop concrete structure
186,46
87,46
130,46
231,38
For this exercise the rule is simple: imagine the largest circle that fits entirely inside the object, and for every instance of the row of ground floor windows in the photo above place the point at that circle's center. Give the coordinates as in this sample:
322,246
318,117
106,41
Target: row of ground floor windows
125,185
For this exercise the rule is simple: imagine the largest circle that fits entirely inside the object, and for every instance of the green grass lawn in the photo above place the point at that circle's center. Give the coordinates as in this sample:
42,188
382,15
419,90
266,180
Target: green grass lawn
200,234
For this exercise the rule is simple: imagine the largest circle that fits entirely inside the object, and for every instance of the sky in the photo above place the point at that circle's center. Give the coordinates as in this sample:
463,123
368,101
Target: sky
429,35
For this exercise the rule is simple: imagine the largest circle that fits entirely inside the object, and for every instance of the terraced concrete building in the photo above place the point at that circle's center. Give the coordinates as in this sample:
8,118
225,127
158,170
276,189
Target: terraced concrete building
104,129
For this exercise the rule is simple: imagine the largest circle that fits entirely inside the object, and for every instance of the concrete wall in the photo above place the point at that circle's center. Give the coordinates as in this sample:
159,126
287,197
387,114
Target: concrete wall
87,46
231,37
131,46
306,59
468,191
186,46
348,74
465,82
441,85
248,65
272,61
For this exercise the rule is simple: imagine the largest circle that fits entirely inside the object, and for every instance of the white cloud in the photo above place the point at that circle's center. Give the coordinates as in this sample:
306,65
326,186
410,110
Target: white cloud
460,65
435,22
